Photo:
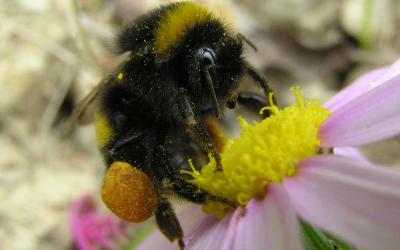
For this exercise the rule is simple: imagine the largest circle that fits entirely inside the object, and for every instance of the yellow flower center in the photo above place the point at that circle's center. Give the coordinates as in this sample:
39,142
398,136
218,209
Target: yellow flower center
265,152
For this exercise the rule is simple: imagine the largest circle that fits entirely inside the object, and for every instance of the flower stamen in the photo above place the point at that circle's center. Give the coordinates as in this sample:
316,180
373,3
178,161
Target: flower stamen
266,152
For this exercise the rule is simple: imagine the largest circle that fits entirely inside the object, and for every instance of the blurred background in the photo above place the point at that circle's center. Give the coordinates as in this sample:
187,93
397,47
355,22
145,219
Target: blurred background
52,53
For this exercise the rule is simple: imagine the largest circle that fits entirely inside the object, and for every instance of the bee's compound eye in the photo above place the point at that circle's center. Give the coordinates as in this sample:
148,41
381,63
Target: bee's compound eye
207,56
128,192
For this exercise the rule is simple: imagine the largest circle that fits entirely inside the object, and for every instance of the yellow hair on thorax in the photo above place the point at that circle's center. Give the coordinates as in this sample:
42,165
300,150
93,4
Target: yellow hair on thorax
175,25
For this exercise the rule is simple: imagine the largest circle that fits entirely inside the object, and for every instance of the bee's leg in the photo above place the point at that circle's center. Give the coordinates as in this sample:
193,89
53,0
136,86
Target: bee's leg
196,128
242,38
254,102
192,193
189,191
259,79
213,127
249,69
168,222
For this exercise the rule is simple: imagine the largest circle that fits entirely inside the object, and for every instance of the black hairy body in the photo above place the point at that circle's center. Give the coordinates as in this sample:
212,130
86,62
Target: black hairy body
184,68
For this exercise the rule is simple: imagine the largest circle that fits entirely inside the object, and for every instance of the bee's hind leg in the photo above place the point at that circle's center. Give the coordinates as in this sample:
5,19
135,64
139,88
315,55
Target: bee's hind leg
168,222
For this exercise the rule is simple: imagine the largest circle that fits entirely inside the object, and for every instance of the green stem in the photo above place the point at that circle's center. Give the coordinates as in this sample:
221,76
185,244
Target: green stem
367,22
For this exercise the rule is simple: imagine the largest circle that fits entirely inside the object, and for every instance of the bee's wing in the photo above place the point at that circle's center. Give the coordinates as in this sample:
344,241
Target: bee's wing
85,110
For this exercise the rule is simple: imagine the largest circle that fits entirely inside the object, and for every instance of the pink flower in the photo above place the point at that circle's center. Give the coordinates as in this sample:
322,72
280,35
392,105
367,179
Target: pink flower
340,193
92,230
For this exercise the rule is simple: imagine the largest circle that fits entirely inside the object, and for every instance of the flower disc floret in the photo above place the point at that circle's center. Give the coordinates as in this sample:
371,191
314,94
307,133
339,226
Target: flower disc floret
265,152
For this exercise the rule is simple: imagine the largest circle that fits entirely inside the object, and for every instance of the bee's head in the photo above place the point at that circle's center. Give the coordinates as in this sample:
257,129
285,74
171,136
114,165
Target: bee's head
207,59
211,64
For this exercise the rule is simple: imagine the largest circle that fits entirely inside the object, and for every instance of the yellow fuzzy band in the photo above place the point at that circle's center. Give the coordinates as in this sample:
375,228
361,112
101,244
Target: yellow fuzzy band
104,131
175,25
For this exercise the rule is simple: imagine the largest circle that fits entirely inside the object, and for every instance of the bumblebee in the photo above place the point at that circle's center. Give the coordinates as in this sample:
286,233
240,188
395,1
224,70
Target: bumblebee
163,106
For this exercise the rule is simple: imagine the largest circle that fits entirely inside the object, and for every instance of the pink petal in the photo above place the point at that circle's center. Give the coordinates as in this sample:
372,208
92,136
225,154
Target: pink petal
371,117
393,71
358,204
157,241
269,224
219,236
79,207
363,84
115,226
192,219
352,153
359,87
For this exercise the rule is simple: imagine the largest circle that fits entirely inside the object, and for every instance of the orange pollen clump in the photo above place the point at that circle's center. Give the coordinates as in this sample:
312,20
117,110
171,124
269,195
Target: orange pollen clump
128,192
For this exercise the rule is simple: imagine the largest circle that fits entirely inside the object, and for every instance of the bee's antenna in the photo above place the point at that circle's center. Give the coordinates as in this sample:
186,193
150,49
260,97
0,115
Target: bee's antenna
210,86
242,38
